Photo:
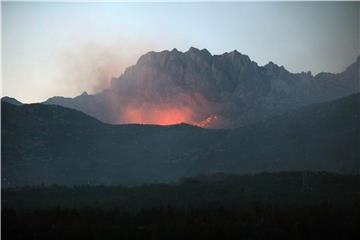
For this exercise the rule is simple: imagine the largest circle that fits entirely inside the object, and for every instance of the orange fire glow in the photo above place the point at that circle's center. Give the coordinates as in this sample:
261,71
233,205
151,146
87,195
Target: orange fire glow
191,109
157,115
206,122
164,116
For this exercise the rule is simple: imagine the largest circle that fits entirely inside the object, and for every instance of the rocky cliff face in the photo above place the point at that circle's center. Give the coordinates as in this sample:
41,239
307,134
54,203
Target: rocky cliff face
219,91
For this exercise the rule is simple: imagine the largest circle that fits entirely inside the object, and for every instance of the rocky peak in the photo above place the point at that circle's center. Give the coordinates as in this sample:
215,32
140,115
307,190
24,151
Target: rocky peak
237,58
236,54
274,69
204,53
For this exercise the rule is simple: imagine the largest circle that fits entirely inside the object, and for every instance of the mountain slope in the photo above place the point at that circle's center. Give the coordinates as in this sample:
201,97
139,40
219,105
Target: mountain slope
11,100
51,144
199,86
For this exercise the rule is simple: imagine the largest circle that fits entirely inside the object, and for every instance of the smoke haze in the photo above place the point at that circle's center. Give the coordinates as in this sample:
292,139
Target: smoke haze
91,66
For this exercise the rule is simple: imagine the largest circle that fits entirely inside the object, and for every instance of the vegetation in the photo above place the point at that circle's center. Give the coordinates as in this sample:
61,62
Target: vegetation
298,205
55,145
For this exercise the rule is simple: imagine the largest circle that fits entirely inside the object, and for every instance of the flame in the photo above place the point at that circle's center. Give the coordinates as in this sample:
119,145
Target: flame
157,115
207,122
180,108
164,116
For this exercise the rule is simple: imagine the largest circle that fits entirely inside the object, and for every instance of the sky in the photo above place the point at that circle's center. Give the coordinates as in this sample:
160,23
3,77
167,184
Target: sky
63,49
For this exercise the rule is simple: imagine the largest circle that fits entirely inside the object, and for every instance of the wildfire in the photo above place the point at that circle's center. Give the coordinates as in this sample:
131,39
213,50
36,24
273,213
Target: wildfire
206,122
157,115
164,116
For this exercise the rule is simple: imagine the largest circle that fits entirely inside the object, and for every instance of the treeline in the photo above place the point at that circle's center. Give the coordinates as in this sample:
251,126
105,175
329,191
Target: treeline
261,221
284,188
296,205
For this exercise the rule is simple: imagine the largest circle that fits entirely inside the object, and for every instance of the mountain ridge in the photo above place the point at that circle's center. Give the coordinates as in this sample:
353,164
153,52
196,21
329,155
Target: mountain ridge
56,145
200,85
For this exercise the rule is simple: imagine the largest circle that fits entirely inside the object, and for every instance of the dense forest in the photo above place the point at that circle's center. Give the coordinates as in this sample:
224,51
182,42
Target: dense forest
296,205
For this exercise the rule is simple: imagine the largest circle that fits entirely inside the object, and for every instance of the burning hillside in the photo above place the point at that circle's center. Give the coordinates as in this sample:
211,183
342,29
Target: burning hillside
150,108
164,116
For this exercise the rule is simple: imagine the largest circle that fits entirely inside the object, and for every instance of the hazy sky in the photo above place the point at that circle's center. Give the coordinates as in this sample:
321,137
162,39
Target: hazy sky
66,48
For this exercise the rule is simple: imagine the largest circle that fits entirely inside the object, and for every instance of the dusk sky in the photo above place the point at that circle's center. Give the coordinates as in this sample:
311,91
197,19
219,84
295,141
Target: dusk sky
66,48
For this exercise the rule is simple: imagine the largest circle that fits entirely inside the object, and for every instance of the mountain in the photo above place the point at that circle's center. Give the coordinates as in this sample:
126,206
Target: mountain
229,89
11,100
55,145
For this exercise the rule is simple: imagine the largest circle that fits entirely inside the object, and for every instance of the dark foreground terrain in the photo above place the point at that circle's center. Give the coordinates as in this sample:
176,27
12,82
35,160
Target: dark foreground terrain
285,205
56,145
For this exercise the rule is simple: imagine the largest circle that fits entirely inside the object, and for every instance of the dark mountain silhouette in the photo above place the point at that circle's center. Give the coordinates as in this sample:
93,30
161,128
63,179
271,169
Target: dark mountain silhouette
229,86
52,144
11,100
